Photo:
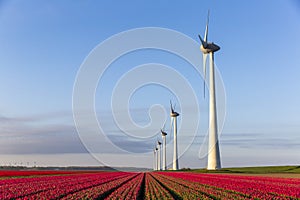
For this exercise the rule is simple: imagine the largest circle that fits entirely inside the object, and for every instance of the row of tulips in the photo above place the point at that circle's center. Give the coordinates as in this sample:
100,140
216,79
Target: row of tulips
53,186
101,191
179,190
16,173
201,190
154,190
70,188
129,190
250,186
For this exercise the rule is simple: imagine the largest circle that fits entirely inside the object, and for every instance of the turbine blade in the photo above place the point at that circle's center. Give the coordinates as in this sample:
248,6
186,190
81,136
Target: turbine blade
204,44
204,71
206,28
206,33
202,41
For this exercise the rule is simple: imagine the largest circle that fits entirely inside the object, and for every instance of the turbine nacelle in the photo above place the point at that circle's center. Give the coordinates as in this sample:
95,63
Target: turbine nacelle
208,47
211,47
173,113
163,133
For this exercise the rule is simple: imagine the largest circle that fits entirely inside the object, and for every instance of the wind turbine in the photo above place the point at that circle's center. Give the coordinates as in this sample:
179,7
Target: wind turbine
156,150
159,154
154,159
214,160
174,116
164,134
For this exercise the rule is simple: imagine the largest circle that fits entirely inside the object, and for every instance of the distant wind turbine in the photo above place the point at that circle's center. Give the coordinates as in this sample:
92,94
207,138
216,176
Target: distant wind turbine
156,150
174,116
159,154
214,160
164,134
154,159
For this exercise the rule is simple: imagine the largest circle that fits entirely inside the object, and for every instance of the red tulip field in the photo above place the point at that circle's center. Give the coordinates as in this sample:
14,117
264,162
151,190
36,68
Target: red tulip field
149,185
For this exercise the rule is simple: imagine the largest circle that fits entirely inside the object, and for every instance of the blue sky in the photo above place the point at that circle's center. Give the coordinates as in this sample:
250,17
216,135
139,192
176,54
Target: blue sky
43,44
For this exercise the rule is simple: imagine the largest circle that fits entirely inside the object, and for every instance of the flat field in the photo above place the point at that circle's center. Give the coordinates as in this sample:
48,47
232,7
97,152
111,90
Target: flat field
268,171
145,185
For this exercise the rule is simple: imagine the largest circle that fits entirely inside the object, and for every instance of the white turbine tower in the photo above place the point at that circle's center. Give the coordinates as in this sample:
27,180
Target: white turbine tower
156,150
174,116
164,134
154,159
214,160
159,154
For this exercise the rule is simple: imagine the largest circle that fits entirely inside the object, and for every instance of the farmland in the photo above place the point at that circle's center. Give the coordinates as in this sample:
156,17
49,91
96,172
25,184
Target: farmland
148,185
